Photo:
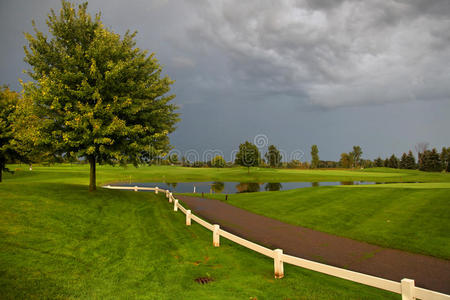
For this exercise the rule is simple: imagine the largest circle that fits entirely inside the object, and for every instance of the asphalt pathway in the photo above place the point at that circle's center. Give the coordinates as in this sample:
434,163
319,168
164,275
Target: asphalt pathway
428,272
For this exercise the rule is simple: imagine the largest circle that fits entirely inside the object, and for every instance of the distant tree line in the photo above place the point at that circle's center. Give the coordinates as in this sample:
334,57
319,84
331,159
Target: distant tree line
249,156
428,160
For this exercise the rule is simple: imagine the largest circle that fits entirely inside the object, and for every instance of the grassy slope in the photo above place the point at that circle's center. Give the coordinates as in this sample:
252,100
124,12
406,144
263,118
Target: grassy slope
59,241
413,219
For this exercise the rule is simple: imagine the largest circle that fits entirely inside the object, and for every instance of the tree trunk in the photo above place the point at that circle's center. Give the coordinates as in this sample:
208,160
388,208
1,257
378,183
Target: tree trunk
2,165
92,175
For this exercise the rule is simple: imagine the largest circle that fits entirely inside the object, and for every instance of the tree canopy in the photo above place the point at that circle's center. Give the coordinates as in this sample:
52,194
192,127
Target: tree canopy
356,155
96,95
248,155
8,102
314,156
218,161
273,156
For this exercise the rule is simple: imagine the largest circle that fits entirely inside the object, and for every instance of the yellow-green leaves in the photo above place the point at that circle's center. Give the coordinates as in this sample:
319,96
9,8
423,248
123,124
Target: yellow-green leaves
96,93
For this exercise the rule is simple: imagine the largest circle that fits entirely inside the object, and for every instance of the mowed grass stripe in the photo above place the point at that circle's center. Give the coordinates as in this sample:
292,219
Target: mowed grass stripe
414,220
59,241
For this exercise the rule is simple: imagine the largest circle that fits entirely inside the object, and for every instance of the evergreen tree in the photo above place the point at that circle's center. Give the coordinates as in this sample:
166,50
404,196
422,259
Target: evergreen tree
404,161
378,162
273,157
411,161
386,163
248,155
393,162
445,159
97,96
430,161
314,156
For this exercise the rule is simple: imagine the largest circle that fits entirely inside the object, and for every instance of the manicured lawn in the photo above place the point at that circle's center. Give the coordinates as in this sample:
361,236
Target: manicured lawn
80,173
59,241
405,216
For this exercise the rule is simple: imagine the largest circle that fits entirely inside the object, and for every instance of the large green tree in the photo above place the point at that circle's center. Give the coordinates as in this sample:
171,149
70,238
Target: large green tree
218,162
314,156
8,102
248,155
356,155
346,160
98,96
273,156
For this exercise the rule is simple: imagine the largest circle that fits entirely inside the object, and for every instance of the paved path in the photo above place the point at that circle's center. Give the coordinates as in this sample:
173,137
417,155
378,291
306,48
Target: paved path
428,272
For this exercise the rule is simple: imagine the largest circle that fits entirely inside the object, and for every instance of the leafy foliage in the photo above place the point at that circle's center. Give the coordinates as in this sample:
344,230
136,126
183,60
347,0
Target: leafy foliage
273,156
97,95
314,156
218,162
248,155
346,160
356,155
8,102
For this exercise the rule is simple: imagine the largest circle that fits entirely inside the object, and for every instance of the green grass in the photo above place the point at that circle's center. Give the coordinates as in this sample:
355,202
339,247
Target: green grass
80,173
59,241
411,217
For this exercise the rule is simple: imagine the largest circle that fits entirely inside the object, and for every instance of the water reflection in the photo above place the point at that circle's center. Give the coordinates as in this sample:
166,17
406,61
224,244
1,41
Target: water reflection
273,186
173,185
347,183
248,187
217,187
231,187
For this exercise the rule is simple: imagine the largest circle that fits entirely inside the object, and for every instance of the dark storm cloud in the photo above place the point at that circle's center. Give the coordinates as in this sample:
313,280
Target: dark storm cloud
332,53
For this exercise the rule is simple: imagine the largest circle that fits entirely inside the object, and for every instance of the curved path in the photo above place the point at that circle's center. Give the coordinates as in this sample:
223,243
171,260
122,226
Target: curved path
428,272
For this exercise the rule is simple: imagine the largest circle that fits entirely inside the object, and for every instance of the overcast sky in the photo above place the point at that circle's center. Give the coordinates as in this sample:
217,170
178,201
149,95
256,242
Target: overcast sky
326,72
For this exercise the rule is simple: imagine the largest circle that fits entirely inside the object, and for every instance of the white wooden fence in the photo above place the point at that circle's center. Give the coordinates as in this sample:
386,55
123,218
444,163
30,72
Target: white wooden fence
406,287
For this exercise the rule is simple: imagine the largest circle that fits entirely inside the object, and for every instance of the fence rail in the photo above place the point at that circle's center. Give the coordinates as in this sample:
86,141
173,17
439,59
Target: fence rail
406,287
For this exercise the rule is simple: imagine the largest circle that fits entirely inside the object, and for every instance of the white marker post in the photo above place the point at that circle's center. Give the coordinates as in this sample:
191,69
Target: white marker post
216,236
188,217
278,263
407,289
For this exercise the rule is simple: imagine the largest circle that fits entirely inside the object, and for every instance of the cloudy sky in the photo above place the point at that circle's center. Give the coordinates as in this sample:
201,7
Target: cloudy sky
326,72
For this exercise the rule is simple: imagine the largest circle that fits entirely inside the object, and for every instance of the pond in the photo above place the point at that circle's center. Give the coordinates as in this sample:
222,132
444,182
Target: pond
231,187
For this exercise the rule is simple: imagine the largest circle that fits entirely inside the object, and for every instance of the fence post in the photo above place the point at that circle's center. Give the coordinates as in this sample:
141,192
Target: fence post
167,193
188,217
156,190
135,188
216,236
407,289
175,205
170,197
278,263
